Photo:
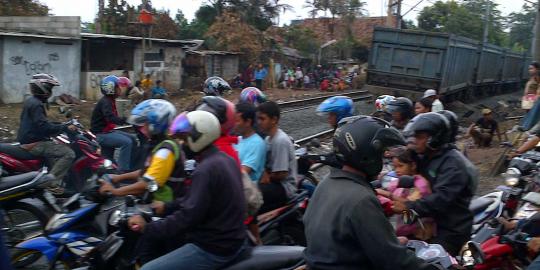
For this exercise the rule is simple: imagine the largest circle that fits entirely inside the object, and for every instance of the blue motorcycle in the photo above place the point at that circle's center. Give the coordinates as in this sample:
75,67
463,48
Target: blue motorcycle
70,236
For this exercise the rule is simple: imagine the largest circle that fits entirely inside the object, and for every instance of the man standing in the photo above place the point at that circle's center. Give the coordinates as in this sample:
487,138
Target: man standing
436,105
483,130
278,181
452,176
260,75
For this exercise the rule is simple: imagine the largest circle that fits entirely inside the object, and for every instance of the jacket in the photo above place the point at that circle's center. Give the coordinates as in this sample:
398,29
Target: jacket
226,144
104,116
346,228
212,213
453,181
34,125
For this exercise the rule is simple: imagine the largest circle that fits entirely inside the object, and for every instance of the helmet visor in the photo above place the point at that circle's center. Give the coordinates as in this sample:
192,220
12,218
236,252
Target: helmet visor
180,125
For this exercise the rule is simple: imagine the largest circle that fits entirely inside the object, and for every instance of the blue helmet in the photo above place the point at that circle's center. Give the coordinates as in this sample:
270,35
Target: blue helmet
108,85
157,113
342,106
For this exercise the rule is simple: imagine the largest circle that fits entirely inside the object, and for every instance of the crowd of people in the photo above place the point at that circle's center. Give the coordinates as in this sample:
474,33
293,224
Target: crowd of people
345,225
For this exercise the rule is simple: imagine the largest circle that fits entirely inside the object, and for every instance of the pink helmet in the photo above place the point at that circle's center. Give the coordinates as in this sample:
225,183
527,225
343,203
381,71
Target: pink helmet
124,82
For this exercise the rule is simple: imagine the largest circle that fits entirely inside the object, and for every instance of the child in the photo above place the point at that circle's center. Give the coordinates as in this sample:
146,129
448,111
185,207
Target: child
405,163
158,91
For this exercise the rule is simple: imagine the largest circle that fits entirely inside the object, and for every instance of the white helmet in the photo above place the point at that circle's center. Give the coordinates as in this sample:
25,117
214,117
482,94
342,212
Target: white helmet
382,101
202,127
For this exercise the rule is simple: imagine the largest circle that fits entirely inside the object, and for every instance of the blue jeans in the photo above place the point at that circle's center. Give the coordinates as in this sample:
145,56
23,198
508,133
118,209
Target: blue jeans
535,265
122,141
191,257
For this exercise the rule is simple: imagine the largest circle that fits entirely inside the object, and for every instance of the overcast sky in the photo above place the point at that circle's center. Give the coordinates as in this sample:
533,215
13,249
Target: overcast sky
87,9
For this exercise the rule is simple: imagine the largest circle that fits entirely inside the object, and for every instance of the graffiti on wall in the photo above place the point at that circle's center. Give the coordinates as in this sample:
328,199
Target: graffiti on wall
34,67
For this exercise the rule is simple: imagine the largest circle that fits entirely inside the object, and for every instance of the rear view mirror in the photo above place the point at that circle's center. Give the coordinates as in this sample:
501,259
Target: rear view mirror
406,181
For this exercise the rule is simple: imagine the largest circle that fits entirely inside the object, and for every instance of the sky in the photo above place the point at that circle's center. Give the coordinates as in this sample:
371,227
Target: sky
87,9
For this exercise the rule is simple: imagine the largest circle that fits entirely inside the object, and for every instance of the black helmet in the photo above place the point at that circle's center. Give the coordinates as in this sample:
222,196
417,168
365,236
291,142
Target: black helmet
454,124
42,85
434,124
402,105
360,141
215,86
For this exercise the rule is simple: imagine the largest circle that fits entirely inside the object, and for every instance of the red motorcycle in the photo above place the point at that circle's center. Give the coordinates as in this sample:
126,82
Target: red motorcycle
16,160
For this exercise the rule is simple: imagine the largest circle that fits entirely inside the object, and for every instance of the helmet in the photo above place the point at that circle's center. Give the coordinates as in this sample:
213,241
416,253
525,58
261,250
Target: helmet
42,84
124,82
108,85
454,124
402,105
382,101
434,124
360,142
158,113
202,128
215,86
223,109
340,105
252,95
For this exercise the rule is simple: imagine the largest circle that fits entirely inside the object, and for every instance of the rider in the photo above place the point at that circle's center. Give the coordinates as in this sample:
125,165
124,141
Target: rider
402,110
452,176
254,96
165,162
210,219
35,130
380,106
104,120
335,109
345,225
215,86
225,111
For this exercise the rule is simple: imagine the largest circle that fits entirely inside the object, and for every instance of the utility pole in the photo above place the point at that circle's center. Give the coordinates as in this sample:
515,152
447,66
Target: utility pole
390,14
536,35
398,14
486,22
394,9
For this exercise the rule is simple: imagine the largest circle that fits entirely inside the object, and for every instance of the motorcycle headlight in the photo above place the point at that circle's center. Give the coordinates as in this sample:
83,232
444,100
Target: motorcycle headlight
511,177
56,222
115,217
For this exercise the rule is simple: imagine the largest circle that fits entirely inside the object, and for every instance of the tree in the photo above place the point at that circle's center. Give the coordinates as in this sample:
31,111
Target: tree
165,27
232,34
23,8
204,17
463,19
521,26
301,38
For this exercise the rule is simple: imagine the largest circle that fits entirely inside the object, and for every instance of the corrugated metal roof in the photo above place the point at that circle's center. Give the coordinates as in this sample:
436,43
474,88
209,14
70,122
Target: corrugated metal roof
21,34
190,44
208,52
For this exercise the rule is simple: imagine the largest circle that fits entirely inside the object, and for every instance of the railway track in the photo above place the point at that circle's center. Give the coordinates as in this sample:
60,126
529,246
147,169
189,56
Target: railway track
302,104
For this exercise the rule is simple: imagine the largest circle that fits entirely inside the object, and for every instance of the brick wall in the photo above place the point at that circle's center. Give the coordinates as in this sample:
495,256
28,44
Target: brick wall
50,25
327,28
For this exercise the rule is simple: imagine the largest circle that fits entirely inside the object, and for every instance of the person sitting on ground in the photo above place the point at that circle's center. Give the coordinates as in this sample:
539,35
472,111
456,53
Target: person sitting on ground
436,104
345,226
278,182
207,225
136,94
405,162
483,130
158,91
104,120
402,111
36,130
423,106
165,160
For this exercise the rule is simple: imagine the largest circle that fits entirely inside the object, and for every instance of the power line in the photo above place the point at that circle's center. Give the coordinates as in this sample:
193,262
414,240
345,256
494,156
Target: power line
413,7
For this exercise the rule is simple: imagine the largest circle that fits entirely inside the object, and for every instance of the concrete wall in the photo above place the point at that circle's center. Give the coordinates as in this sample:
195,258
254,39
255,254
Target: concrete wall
23,57
170,73
52,25
224,66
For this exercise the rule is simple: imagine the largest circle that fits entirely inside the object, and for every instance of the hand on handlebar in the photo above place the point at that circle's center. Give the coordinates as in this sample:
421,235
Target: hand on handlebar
72,127
106,187
534,244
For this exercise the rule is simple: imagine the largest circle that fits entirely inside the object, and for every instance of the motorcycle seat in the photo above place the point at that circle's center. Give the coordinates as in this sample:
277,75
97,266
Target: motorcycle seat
268,257
16,180
16,151
480,204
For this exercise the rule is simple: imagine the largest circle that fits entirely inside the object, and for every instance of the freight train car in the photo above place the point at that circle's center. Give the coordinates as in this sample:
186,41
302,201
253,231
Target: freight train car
407,62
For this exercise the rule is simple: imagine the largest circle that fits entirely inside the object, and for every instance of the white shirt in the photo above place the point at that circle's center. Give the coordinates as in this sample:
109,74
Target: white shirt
437,106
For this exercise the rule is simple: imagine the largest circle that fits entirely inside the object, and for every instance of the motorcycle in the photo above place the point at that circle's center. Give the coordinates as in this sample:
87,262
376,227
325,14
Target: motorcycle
16,160
69,236
24,219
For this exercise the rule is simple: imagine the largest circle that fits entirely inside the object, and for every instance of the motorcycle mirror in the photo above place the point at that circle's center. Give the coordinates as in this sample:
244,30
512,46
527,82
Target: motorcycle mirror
406,181
130,201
